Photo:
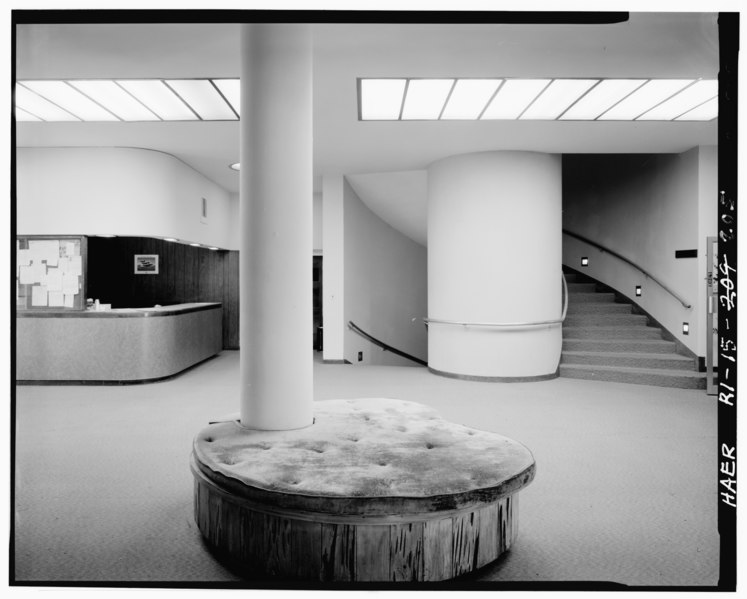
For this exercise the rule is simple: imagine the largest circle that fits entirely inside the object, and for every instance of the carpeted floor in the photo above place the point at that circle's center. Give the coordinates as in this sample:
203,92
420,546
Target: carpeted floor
625,490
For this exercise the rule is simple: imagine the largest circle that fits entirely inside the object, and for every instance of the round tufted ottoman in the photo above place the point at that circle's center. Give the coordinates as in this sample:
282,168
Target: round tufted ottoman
374,490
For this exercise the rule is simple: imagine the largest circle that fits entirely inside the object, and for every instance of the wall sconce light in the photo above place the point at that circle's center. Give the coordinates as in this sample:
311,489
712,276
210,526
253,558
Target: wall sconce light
638,291
685,328
584,261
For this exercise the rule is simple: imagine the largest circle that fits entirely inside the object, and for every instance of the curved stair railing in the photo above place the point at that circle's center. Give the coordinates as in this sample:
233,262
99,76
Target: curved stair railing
601,248
384,346
519,325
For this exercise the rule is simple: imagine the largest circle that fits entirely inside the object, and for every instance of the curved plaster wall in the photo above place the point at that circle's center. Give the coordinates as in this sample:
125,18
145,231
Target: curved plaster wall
121,191
494,256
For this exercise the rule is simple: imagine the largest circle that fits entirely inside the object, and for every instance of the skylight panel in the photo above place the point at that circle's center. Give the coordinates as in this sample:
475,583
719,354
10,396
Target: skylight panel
42,108
556,97
705,112
115,99
203,98
22,115
159,98
644,98
513,97
381,99
469,97
425,98
684,101
70,99
231,90
601,98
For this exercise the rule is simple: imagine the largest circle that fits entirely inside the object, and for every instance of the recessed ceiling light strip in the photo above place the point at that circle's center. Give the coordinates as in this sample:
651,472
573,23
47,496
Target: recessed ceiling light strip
230,90
381,99
138,100
94,101
528,106
448,97
26,116
643,99
404,96
178,95
513,97
115,99
665,100
601,98
707,111
159,98
469,98
35,103
492,97
70,99
682,102
425,98
556,97
577,100
204,98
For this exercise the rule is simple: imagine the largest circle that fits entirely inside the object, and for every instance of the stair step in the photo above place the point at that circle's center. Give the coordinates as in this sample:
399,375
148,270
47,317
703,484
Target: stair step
587,296
603,333
629,359
592,320
581,287
650,346
598,308
639,376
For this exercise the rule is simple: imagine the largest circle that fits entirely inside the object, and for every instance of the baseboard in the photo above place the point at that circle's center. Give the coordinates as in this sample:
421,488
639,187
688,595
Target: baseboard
497,379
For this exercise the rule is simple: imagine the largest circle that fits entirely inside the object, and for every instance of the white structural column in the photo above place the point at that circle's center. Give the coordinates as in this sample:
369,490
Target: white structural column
276,227
495,258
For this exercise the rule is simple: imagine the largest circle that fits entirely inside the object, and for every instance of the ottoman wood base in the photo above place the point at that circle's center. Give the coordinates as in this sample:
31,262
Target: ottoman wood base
324,535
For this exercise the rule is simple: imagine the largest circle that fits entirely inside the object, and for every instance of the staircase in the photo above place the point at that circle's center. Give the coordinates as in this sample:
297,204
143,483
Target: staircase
604,340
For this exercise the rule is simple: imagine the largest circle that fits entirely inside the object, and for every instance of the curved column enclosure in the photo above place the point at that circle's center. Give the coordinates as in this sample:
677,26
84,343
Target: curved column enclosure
494,257
276,215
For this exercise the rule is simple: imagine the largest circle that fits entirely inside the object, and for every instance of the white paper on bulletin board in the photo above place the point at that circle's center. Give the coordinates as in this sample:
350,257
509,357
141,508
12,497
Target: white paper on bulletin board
26,275
75,265
56,298
54,279
39,270
38,295
48,249
69,300
70,283
24,257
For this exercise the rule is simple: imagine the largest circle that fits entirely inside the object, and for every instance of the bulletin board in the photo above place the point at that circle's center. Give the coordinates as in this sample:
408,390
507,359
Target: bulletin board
50,272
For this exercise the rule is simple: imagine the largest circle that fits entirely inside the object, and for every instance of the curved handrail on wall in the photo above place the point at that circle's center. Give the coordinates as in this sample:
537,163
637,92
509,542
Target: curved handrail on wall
384,346
628,261
524,325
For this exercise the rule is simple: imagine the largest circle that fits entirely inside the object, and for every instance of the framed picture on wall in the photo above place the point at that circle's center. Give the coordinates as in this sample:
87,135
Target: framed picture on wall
146,264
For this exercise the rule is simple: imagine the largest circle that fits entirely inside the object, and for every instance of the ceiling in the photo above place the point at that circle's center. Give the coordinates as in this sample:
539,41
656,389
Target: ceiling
383,160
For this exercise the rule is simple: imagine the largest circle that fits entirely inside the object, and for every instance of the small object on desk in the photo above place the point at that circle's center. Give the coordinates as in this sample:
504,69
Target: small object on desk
96,304
89,304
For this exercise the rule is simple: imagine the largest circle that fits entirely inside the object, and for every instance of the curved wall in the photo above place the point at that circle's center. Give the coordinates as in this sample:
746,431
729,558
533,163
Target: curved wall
121,191
494,255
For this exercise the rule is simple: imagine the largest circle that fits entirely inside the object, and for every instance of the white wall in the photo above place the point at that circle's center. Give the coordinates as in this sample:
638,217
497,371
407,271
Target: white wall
333,273
318,218
645,207
385,282
122,191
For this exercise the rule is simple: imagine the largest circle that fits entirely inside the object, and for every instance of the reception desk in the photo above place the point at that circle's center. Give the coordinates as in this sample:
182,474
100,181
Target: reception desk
127,345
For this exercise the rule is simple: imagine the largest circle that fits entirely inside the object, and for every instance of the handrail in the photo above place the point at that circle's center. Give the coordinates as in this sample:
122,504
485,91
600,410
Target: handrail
538,323
633,264
384,346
